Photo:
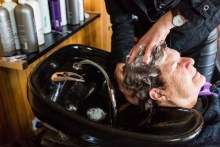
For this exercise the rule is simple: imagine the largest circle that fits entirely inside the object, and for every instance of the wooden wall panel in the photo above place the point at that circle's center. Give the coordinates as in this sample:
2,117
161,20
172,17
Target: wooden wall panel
3,122
16,114
1,1
17,98
102,25
11,118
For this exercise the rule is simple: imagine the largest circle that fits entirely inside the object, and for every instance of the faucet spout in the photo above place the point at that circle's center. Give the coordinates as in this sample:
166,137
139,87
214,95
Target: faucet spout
111,91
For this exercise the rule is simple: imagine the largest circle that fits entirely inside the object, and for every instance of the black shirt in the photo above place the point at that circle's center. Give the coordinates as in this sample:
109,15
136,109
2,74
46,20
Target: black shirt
200,23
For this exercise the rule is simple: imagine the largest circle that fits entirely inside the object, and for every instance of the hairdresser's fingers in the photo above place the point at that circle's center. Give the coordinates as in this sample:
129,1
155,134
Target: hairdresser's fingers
135,51
120,78
132,55
119,74
148,51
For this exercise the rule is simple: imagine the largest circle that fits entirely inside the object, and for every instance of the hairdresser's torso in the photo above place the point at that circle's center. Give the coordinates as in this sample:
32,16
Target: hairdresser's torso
148,11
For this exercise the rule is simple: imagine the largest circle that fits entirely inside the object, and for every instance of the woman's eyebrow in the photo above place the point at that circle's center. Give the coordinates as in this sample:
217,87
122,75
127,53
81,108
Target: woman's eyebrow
175,57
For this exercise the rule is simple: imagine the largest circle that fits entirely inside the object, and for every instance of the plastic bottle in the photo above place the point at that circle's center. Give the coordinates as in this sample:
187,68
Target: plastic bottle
9,5
27,34
7,47
72,11
45,15
54,6
37,16
81,10
63,12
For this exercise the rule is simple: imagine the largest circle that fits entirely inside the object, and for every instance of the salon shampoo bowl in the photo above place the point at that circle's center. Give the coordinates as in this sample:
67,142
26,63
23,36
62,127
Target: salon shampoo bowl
83,110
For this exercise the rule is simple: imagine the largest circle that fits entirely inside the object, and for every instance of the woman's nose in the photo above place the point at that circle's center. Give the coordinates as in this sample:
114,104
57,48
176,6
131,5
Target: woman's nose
188,62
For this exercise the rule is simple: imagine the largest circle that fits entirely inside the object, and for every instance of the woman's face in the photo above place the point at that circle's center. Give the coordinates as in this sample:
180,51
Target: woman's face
183,81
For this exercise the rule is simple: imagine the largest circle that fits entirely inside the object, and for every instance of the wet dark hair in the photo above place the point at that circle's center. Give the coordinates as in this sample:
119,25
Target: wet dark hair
141,77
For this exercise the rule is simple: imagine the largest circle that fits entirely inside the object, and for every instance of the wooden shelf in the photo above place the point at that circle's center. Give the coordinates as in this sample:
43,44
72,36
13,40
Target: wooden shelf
19,64
52,39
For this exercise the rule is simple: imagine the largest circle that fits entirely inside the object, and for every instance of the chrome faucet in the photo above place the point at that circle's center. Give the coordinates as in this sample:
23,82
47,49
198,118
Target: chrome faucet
111,91
59,79
66,76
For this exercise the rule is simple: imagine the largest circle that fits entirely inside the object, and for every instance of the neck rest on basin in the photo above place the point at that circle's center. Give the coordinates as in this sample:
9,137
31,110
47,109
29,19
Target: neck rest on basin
84,111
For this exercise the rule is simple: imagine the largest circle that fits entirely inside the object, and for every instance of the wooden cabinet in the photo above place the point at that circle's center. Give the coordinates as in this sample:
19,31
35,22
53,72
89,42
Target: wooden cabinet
15,113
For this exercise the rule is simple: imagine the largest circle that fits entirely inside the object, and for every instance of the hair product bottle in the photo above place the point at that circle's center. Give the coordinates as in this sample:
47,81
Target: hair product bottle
63,12
37,18
54,6
10,6
7,47
45,15
72,11
81,10
26,27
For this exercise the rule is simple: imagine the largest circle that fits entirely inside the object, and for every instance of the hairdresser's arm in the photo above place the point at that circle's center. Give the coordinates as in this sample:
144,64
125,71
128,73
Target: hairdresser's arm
123,31
199,13
154,36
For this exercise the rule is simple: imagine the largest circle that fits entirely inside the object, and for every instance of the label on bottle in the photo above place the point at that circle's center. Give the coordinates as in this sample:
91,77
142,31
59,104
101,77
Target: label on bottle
45,21
23,38
10,7
57,23
7,38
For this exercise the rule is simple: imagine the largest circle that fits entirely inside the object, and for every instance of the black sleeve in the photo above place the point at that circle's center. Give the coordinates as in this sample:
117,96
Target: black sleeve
123,30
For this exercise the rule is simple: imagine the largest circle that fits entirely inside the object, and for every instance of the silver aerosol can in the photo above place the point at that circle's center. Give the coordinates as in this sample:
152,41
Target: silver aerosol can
7,46
72,11
26,27
81,10
10,6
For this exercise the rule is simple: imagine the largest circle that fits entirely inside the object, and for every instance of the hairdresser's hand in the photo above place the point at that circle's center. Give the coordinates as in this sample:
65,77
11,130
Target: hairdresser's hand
154,36
128,94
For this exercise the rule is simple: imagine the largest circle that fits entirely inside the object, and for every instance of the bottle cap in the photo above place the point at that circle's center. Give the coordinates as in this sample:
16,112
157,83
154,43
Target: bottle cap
21,1
8,1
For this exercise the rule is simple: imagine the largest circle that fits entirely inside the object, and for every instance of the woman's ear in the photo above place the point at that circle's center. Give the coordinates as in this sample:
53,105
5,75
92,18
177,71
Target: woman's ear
154,93
157,94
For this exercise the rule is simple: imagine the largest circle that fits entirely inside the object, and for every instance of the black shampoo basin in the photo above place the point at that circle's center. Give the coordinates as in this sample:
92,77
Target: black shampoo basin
84,110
